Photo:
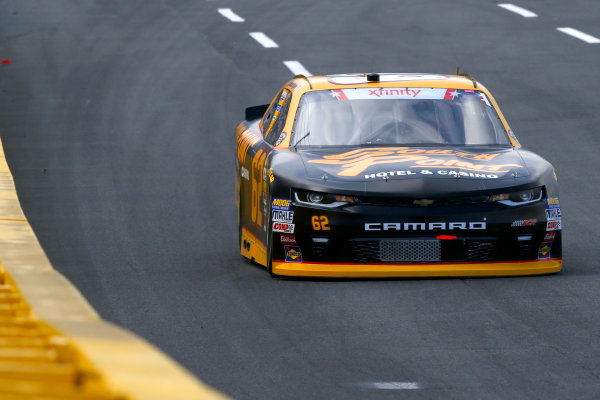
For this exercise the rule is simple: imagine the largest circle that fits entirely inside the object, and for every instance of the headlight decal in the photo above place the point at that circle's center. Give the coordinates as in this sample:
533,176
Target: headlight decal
519,198
326,200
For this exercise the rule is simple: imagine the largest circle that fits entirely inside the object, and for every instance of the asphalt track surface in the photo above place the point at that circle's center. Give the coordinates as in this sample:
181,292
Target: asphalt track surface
129,108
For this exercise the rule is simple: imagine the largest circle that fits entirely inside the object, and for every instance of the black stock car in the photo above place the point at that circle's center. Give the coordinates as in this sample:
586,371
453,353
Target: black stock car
392,175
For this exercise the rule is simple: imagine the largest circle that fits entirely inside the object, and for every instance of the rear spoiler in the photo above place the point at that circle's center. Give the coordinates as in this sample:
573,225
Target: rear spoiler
256,112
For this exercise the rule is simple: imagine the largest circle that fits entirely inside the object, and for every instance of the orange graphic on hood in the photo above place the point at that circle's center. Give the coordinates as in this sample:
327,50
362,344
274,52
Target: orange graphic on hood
356,161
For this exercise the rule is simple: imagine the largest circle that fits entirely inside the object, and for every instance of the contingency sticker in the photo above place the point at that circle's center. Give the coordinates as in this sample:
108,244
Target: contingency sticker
283,216
553,214
549,237
293,254
281,204
287,239
283,227
544,251
524,222
553,226
552,202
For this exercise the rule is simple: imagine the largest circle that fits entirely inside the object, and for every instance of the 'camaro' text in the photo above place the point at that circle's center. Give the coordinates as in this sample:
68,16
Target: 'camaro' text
422,226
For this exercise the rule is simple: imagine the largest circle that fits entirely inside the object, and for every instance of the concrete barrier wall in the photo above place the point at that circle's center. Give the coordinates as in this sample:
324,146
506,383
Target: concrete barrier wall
53,344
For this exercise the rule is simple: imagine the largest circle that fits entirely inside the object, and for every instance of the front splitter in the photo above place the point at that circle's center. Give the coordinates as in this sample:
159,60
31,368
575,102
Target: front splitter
381,270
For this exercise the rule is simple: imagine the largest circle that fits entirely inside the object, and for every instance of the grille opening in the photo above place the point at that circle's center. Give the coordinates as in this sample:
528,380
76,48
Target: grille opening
410,250
396,250
423,250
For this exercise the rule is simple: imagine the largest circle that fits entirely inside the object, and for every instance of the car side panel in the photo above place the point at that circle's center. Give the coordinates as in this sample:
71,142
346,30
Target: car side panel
252,152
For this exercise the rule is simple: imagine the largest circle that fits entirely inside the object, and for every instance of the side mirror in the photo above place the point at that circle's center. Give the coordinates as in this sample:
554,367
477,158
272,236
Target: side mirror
256,112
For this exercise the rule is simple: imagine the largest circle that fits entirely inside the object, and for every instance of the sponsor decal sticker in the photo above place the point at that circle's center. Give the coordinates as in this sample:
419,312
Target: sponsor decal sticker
283,227
552,202
287,238
524,222
544,251
281,204
283,216
355,162
293,254
549,236
245,173
424,226
553,226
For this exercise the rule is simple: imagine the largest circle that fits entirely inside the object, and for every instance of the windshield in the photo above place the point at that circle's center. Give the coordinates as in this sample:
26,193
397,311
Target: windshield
396,116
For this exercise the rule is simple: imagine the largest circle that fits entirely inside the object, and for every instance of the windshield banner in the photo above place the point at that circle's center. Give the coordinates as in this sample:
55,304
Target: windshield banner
405,93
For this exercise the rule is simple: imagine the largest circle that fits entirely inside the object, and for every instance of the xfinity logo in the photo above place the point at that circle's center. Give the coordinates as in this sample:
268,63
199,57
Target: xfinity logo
422,226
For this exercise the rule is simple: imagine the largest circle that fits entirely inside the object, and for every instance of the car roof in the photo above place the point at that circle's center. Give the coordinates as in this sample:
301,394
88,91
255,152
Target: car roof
341,81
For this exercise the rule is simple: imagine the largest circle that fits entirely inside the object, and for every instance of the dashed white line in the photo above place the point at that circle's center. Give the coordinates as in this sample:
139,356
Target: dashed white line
230,15
297,68
263,39
518,10
579,35
391,385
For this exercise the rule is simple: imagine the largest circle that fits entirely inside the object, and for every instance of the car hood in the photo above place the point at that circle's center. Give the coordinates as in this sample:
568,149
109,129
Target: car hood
368,164
427,171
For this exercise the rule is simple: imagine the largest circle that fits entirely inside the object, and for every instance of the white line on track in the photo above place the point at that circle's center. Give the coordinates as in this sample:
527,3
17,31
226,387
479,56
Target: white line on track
579,35
263,39
518,10
297,68
230,15
391,385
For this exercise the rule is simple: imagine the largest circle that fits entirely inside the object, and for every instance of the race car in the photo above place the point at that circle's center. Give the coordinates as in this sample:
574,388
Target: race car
392,175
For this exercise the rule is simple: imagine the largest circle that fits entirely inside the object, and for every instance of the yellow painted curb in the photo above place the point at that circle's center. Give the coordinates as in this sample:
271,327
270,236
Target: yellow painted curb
53,344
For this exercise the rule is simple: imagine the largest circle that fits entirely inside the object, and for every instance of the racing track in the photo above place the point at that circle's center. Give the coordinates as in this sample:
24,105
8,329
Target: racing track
129,107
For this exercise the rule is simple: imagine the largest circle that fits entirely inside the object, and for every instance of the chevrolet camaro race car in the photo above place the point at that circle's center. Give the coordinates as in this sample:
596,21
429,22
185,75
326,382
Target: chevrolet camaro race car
392,175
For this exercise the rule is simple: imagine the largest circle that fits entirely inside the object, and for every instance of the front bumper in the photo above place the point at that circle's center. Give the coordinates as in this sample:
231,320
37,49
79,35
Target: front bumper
375,241
340,270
